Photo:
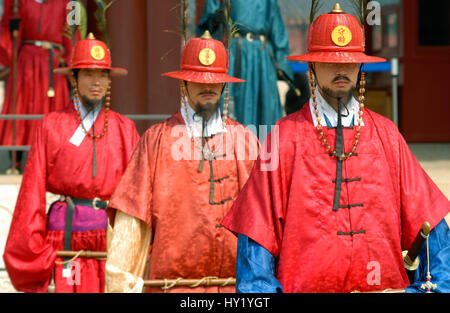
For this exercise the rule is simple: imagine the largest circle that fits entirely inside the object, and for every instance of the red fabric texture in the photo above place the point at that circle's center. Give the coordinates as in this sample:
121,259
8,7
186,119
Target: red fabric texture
172,197
288,210
90,277
56,165
38,22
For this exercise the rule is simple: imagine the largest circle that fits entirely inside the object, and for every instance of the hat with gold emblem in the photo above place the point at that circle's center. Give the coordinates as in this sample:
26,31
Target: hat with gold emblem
94,54
336,37
204,60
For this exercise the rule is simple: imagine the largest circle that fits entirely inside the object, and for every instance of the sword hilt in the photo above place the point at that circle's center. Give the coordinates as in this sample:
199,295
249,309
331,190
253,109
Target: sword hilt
410,257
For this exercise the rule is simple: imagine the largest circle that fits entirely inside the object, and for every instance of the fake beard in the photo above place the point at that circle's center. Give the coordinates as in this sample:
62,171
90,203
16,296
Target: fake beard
206,110
344,95
90,104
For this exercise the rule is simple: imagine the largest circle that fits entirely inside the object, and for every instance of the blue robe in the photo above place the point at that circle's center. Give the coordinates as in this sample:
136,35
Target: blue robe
255,102
255,267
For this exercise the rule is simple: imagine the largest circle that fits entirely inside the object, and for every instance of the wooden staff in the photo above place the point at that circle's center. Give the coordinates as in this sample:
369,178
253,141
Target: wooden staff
82,253
206,281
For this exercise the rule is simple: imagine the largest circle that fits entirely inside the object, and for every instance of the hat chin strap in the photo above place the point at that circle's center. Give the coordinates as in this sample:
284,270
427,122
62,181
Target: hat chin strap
225,104
324,142
107,108
185,94
338,153
316,82
93,136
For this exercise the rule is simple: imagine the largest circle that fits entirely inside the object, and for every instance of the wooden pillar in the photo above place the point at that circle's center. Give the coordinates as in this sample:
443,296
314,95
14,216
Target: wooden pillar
126,21
91,7
163,53
200,5
144,40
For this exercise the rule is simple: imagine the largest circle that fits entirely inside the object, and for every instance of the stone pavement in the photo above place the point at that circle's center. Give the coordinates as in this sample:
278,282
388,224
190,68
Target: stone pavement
434,158
9,188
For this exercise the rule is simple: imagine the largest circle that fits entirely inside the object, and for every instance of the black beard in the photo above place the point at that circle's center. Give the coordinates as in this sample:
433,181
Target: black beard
206,110
345,96
90,104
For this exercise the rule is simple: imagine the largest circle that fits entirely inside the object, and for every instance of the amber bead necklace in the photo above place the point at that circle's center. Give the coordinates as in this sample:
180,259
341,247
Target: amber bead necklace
107,108
323,140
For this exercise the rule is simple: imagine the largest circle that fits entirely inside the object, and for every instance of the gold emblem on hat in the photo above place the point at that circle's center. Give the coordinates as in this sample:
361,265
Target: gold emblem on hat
97,53
341,35
207,56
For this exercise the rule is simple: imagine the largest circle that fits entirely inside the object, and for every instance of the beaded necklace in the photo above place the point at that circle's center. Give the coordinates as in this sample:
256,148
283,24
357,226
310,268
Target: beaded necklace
333,153
80,120
107,108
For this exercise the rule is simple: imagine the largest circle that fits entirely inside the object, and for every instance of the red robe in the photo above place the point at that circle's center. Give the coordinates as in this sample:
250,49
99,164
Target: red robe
38,22
162,187
288,210
56,165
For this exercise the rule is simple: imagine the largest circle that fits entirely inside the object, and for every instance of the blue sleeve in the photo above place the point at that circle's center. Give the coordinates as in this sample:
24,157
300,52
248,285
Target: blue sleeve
255,268
439,241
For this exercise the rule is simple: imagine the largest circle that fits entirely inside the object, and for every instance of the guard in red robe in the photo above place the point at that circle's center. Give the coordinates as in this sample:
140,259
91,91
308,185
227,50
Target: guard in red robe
336,194
80,153
42,46
180,182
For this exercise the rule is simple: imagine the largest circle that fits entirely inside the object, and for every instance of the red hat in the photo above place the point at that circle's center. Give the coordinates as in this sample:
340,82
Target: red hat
204,60
336,37
91,53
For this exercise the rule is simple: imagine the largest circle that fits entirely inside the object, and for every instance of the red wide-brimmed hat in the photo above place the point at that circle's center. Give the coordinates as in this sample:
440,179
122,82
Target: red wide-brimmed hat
204,60
94,54
336,37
